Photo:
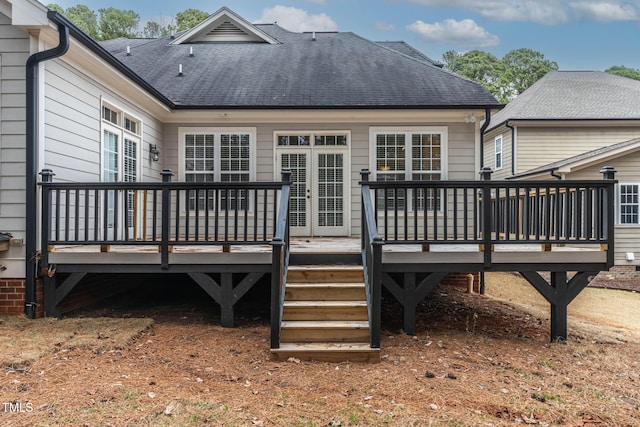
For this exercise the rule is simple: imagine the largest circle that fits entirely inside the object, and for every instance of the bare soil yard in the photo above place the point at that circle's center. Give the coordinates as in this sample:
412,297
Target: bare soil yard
476,361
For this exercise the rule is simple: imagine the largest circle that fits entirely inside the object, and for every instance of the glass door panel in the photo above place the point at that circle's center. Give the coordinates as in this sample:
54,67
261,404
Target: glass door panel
330,218
299,202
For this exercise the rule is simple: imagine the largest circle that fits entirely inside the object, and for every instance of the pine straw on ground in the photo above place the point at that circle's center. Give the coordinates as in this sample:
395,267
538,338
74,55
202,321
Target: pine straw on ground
474,362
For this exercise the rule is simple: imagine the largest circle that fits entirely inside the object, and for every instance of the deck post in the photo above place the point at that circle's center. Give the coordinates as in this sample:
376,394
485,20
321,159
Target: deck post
486,215
409,305
226,300
609,174
375,323
559,306
166,218
276,286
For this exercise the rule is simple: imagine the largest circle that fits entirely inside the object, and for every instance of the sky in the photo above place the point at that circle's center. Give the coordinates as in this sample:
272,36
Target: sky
576,34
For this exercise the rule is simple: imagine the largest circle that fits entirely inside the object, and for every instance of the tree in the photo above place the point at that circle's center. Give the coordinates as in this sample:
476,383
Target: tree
154,29
55,7
449,56
524,67
505,78
621,70
189,19
481,67
84,18
115,23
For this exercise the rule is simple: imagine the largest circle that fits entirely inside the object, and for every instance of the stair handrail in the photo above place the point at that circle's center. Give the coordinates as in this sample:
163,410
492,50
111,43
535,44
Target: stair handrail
371,247
280,261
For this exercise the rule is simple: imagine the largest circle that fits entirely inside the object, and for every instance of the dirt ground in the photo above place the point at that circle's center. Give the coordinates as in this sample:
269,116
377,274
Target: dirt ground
475,361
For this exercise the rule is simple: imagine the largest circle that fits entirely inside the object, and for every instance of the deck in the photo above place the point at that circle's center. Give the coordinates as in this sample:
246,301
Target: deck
227,236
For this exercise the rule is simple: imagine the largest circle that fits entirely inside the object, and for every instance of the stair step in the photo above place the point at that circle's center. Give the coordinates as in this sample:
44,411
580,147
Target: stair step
325,274
354,331
325,310
327,352
325,291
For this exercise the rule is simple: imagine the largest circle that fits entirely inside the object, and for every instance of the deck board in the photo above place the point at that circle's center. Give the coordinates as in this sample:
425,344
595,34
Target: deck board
261,254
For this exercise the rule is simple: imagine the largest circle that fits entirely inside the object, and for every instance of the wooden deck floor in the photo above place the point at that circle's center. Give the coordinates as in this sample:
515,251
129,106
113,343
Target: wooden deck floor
392,253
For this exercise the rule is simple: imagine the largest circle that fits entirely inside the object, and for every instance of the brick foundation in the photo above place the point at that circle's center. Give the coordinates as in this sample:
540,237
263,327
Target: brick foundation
12,292
461,280
619,273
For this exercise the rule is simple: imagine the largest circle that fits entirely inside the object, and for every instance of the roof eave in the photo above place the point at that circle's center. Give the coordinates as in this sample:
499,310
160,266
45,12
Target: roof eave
93,46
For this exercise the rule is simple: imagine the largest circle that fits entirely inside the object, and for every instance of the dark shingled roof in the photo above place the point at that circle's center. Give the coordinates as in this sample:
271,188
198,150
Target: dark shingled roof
575,95
336,70
407,49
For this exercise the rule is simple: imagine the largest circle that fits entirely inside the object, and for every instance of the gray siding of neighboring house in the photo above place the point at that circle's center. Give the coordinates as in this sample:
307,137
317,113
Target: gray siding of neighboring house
461,151
541,146
490,153
14,48
627,237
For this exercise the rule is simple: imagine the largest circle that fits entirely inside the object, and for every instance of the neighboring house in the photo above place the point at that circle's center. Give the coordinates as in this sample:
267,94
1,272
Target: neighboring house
228,101
569,125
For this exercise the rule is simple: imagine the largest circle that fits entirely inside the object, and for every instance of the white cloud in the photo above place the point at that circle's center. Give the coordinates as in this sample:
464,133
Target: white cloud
549,12
298,20
383,26
605,11
465,33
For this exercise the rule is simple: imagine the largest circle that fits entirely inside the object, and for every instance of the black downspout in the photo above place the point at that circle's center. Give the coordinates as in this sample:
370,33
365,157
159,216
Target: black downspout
513,148
487,121
31,216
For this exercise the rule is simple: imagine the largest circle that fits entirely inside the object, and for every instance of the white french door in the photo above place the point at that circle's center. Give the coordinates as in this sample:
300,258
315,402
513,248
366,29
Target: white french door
319,200
120,164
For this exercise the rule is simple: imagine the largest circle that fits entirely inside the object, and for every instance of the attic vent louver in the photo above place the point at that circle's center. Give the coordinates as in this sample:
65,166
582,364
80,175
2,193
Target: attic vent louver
227,29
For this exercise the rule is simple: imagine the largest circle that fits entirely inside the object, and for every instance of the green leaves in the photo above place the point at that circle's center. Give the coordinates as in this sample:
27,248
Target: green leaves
505,78
110,23
621,70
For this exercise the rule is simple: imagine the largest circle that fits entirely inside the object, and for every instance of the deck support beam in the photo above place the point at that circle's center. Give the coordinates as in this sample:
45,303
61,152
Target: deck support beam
410,294
224,293
559,292
54,294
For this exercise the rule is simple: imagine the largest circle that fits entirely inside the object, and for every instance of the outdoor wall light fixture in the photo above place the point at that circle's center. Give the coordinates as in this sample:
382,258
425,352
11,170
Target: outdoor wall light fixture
470,118
154,153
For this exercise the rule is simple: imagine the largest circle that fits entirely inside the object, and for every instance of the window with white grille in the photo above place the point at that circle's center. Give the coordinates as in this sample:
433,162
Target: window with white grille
416,155
217,156
629,207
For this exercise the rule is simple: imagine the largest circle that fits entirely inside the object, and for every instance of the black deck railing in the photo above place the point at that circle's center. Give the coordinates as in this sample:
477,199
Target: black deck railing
163,213
485,213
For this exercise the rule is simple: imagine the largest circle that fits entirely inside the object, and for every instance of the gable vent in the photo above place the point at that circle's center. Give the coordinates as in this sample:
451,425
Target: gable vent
227,29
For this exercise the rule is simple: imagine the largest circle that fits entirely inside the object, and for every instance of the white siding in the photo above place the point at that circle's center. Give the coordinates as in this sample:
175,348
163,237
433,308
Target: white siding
73,120
14,48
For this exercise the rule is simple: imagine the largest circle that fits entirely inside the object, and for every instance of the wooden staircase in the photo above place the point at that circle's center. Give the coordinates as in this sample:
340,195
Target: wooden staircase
325,316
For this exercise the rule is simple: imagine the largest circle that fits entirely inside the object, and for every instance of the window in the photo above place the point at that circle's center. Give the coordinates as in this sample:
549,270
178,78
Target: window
629,203
498,152
410,155
121,144
210,155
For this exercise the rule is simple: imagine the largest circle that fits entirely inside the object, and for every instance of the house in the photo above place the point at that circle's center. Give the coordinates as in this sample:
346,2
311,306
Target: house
127,152
569,125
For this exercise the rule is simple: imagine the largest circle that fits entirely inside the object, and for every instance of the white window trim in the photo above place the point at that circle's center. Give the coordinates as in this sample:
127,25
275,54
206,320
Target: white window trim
444,146
619,203
495,152
122,134
217,131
